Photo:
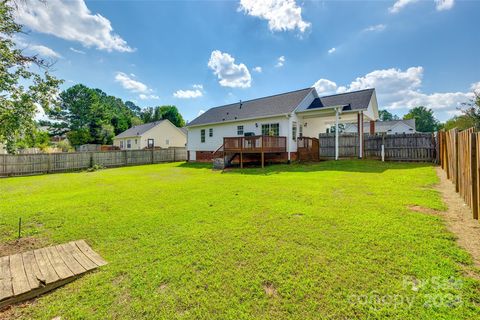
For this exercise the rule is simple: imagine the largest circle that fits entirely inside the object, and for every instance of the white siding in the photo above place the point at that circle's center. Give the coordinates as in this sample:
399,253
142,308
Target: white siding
222,130
164,135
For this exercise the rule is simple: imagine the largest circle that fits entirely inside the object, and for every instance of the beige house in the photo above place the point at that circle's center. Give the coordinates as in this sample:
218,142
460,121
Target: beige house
158,134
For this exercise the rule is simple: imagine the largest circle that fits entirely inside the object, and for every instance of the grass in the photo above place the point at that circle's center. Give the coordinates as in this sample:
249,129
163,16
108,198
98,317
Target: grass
328,240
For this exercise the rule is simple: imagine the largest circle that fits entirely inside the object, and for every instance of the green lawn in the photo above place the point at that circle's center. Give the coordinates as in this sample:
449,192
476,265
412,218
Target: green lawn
334,239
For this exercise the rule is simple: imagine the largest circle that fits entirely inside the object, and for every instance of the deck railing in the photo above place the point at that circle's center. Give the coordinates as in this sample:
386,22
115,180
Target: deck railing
307,149
254,144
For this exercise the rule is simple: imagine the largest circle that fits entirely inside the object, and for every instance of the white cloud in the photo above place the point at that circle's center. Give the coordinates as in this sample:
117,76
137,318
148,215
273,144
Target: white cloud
375,28
440,5
325,86
230,74
257,69
143,96
70,20
281,15
44,51
332,50
399,5
444,4
280,62
200,112
401,90
77,51
475,87
190,94
130,84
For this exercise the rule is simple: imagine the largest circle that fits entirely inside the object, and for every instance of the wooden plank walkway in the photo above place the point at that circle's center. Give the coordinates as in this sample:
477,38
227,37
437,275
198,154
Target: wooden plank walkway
29,274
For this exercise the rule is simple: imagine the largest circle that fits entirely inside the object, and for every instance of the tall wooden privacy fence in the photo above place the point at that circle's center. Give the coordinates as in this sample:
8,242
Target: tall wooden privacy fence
460,158
27,164
398,147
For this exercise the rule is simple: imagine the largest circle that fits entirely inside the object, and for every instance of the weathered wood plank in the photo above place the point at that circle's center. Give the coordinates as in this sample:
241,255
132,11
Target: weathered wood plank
6,289
70,261
92,255
45,266
72,249
19,278
60,267
34,275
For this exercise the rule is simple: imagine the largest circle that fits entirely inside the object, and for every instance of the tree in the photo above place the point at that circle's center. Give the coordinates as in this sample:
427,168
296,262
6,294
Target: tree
385,115
461,122
163,112
19,102
424,119
90,116
472,111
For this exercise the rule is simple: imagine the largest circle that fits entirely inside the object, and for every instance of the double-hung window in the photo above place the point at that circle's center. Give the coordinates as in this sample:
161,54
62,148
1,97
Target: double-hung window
202,135
294,131
129,144
240,130
210,132
270,129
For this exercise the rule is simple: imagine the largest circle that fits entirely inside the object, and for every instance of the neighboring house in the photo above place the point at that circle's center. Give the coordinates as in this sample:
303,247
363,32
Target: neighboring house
3,148
158,134
301,113
381,127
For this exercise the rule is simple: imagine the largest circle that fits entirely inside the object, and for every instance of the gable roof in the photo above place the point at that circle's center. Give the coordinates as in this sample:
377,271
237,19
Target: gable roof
275,105
138,130
355,100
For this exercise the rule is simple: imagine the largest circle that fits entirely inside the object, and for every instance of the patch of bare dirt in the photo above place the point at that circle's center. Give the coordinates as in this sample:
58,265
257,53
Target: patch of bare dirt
20,245
270,289
425,210
459,218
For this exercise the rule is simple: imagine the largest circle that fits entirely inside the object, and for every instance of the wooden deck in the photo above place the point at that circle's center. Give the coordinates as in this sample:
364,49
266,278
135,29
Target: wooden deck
255,144
29,274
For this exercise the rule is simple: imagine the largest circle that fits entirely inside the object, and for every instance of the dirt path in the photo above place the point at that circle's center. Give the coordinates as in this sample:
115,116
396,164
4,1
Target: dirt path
459,218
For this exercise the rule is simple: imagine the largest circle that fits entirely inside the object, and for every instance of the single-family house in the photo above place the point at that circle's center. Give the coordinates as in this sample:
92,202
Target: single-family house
158,134
384,127
274,127
3,148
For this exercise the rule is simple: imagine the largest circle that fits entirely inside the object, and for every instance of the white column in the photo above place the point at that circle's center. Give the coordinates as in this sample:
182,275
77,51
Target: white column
360,136
336,133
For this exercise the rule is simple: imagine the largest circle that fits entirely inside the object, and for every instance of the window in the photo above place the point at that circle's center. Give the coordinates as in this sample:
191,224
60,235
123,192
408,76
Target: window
240,130
121,144
150,143
294,131
270,129
202,135
210,132
129,144
167,142
300,130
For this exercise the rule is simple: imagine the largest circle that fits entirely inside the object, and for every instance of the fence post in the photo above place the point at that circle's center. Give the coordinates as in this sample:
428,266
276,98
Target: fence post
151,155
174,154
4,165
125,157
49,162
457,164
473,163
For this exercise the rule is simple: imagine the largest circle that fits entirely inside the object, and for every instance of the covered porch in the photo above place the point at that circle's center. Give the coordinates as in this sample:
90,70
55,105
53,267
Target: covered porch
330,120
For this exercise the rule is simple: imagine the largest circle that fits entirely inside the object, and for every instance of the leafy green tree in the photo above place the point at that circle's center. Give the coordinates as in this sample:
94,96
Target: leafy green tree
163,112
385,115
18,102
461,122
90,116
471,113
424,119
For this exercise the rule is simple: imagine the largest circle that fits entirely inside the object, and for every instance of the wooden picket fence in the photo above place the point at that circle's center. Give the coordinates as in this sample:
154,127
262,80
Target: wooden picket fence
459,156
419,147
28,164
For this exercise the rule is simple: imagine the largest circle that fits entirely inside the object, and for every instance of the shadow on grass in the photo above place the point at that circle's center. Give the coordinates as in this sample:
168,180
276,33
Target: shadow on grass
373,166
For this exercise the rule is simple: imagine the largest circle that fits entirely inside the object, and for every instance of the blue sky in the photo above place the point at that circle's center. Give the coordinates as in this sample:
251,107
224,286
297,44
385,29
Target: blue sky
201,54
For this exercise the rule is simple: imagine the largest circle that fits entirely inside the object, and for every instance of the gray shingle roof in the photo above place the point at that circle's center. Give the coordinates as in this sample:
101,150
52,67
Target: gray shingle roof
138,130
262,107
354,100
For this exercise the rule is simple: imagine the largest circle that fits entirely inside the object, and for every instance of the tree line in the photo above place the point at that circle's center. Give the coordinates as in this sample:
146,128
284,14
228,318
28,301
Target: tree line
87,115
